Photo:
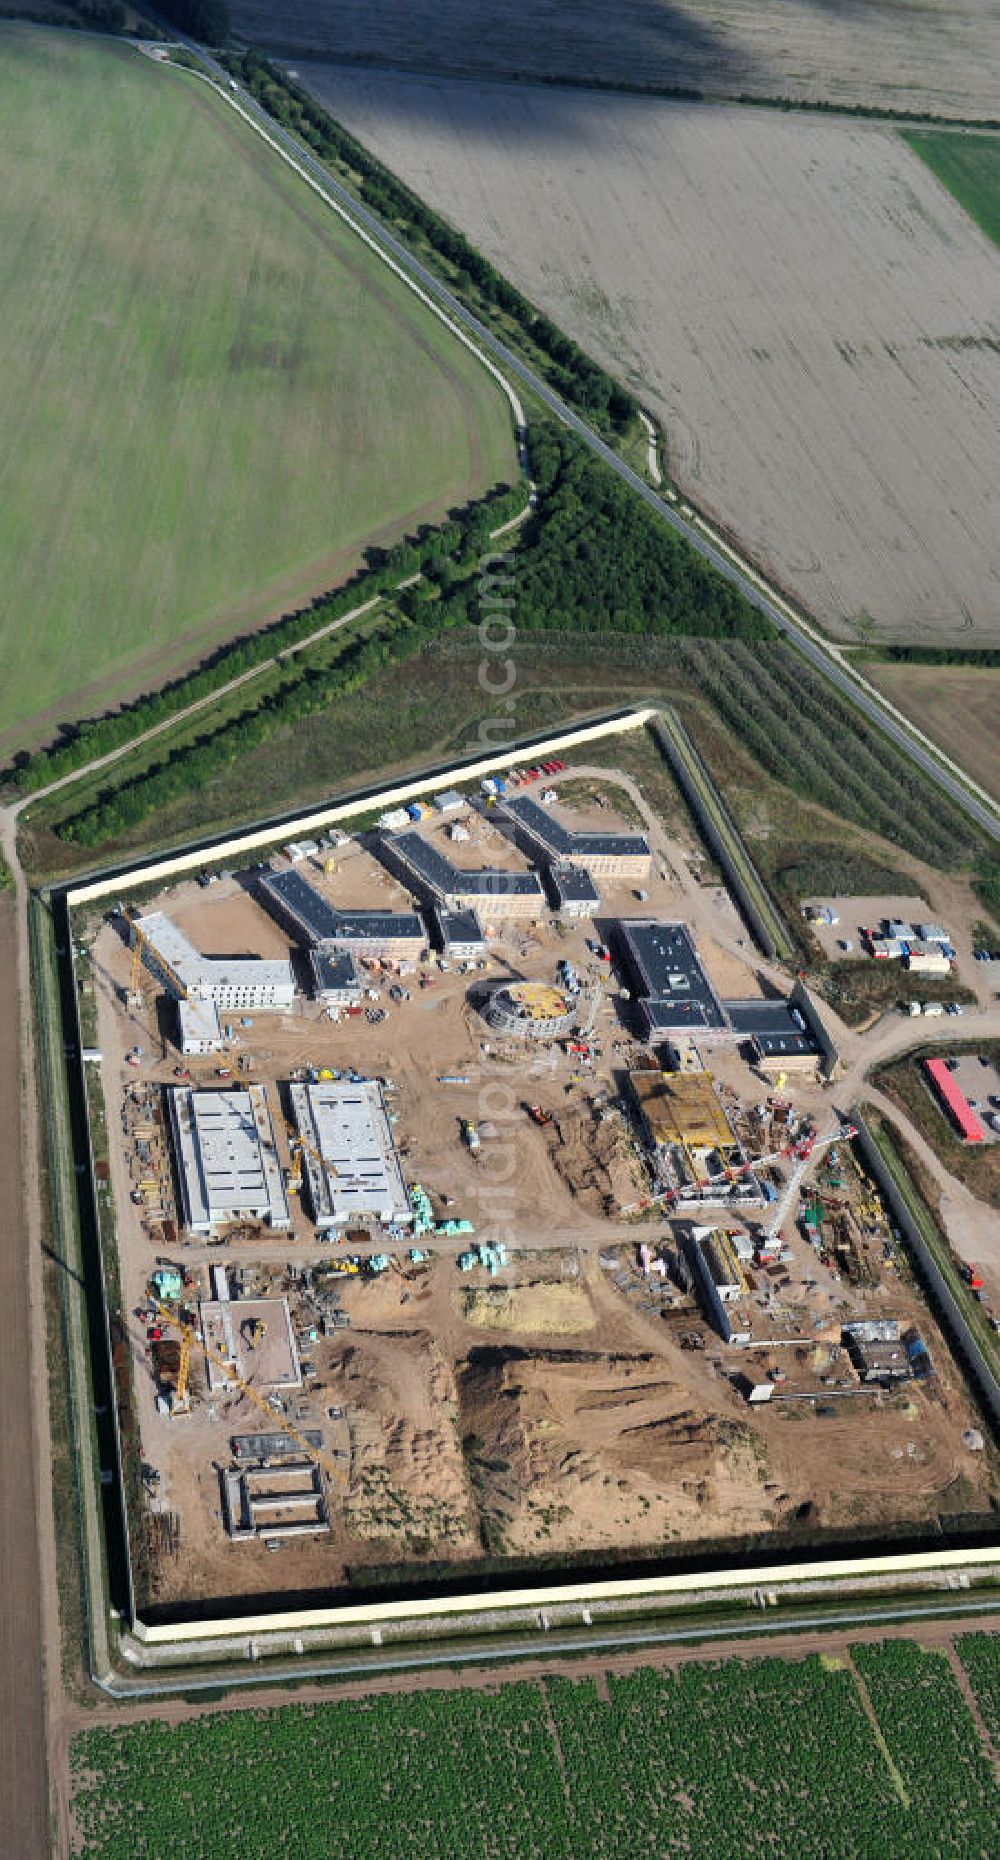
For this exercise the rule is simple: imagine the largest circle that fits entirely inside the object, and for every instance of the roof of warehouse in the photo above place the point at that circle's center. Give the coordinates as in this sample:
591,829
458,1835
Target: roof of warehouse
345,1123
956,1101
226,1151
566,841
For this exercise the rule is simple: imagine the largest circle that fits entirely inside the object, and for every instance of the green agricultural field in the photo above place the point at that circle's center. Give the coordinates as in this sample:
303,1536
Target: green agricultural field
759,1758
214,395
969,167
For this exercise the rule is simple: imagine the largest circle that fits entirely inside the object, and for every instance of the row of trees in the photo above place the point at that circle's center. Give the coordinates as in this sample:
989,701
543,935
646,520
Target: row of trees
577,378
207,20
192,765
467,531
938,655
809,737
591,558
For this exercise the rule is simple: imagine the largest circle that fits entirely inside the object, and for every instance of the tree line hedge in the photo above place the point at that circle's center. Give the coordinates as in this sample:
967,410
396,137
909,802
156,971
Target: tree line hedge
596,559
193,764
933,655
576,377
466,532
207,20
591,558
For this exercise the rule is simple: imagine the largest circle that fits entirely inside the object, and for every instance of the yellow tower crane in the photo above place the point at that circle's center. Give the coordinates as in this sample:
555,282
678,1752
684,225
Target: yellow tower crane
299,1145
277,1424
181,1403
140,944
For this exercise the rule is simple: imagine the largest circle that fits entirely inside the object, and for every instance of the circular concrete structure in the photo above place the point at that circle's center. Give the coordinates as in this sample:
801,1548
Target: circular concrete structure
530,1011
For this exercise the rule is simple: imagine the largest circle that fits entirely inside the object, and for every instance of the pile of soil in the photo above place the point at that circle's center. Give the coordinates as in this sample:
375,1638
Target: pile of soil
594,1160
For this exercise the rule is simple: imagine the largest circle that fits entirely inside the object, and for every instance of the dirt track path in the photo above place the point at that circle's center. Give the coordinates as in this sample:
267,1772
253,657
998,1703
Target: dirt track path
23,1765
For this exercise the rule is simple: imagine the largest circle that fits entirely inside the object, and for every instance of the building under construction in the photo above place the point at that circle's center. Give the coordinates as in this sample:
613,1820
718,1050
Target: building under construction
532,1011
720,1279
348,1153
234,983
545,838
227,1163
491,891
249,1340
694,1151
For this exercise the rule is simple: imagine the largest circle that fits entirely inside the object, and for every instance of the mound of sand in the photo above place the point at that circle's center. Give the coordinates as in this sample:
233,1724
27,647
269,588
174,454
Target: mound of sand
550,1310
594,1159
408,1479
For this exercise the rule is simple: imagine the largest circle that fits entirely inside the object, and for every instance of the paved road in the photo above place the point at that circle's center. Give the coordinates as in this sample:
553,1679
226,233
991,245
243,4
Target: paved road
861,695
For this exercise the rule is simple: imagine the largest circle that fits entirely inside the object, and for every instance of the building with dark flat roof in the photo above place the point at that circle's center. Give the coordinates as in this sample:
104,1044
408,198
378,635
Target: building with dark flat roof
778,1033
336,980
572,890
297,905
489,890
314,920
459,934
672,992
544,836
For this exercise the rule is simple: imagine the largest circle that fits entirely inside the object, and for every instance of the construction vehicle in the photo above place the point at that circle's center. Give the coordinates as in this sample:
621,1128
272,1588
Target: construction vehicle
471,1136
253,1330
538,1116
275,1423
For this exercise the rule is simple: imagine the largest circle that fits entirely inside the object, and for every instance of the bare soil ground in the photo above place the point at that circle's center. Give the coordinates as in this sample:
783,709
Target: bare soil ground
553,1406
938,57
957,705
23,1769
857,914
809,314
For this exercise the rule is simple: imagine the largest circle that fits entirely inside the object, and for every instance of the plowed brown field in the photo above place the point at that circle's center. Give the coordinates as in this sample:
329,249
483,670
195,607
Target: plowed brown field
941,56
810,315
958,705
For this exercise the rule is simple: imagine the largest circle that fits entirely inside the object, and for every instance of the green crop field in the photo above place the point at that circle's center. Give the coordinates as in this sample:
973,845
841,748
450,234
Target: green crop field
969,167
214,395
760,1758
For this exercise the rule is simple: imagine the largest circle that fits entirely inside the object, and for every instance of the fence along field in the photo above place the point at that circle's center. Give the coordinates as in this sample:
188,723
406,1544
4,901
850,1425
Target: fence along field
214,396
799,302
941,57
756,1757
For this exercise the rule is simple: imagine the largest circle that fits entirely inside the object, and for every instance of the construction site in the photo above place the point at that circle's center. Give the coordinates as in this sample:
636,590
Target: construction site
446,1228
